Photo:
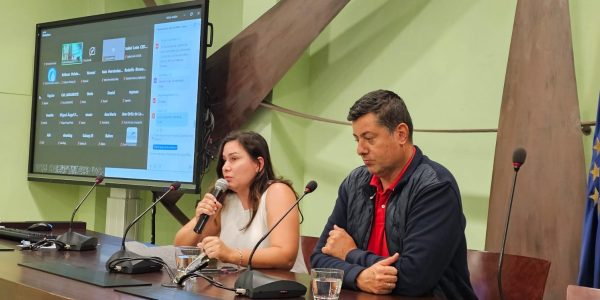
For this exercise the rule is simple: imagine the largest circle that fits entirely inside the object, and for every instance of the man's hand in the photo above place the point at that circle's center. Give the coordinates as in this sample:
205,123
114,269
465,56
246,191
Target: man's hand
339,243
379,278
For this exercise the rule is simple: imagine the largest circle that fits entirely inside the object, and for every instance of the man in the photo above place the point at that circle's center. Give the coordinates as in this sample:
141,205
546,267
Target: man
397,225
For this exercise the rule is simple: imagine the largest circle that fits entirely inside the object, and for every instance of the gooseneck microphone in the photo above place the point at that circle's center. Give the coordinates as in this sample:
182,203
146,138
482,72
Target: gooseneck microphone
221,187
75,241
257,285
519,156
124,261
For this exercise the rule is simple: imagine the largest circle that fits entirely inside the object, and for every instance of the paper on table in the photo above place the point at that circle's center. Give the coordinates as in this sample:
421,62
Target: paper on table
167,253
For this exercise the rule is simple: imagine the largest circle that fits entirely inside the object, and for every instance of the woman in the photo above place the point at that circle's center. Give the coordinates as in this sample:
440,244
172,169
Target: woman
254,201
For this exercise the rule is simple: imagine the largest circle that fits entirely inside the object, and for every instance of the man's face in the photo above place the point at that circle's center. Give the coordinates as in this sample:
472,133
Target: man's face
381,150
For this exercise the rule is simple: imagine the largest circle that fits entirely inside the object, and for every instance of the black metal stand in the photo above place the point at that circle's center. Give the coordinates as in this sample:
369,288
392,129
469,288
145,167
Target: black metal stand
153,220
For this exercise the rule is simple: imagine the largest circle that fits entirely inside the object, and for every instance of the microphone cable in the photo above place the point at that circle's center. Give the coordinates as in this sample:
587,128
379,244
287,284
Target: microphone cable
213,282
45,242
154,259
197,272
114,265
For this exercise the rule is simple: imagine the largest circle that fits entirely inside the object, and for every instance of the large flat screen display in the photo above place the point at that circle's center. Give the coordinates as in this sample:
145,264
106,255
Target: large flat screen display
120,95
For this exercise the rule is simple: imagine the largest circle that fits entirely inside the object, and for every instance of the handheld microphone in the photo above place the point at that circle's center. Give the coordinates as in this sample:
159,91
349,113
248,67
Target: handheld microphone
124,261
257,285
76,241
519,156
221,187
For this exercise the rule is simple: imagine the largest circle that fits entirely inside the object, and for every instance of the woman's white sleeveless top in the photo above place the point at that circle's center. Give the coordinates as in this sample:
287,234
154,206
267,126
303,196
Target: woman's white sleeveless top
234,217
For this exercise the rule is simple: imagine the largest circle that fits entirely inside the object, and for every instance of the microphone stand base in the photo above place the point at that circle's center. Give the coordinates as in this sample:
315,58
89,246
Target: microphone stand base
127,262
73,241
261,286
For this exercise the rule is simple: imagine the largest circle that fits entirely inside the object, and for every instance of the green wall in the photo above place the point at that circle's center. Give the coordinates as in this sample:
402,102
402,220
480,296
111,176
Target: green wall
447,59
23,200
585,28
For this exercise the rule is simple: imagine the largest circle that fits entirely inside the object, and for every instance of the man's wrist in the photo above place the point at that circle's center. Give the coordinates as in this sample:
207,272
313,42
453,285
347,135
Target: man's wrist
351,276
348,252
353,256
357,281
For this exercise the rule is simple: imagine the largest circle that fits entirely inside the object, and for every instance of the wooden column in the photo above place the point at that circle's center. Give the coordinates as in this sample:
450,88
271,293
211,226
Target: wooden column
540,112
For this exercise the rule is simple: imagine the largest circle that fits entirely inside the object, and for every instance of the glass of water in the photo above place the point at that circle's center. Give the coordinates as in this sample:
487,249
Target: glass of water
326,283
184,255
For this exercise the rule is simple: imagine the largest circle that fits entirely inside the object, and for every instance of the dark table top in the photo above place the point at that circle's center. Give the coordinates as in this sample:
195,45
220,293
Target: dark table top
18,279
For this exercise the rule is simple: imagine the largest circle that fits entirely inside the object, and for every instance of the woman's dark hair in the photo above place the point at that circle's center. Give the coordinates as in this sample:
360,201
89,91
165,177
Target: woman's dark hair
389,108
256,146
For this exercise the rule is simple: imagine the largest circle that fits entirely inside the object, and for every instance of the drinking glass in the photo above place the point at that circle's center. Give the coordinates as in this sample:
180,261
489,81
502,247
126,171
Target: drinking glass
326,283
184,255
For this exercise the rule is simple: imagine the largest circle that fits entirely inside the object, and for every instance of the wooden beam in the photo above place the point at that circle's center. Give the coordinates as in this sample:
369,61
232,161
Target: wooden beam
243,72
540,112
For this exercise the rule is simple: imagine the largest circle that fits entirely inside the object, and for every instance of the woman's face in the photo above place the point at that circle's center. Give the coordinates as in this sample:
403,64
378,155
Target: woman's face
239,168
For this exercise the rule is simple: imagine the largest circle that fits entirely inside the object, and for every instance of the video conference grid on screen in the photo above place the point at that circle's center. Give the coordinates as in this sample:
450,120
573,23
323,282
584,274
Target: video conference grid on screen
119,97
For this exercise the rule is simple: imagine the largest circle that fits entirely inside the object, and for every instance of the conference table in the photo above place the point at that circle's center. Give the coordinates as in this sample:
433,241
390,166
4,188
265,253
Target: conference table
20,282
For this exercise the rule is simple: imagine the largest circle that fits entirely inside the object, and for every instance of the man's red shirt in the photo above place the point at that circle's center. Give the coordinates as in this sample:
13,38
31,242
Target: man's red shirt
377,240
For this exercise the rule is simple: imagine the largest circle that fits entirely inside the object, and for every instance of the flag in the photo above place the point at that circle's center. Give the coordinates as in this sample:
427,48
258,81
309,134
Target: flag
589,264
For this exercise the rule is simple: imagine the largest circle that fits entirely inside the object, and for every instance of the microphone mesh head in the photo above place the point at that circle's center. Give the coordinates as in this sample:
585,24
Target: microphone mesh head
310,186
99,179
221,184
519,156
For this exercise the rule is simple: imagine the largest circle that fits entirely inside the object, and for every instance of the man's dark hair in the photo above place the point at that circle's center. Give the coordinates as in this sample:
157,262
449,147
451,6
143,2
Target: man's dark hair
387,106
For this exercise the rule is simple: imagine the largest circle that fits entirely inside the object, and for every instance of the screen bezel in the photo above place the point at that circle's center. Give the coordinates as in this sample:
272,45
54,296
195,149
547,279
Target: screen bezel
154,185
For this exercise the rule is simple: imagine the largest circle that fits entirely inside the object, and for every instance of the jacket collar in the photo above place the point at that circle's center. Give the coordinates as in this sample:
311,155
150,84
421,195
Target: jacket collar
370,190
414,164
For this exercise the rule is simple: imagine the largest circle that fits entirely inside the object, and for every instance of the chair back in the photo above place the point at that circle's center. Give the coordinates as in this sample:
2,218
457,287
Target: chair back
575,292
522,277
308,245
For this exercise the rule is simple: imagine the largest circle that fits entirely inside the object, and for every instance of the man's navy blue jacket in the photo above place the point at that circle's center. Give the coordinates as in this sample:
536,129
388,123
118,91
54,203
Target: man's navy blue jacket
424,224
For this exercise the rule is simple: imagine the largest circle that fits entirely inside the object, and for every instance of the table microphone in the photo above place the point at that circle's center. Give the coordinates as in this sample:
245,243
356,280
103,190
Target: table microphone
519,156
124,261
257,285
221,187
75,241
